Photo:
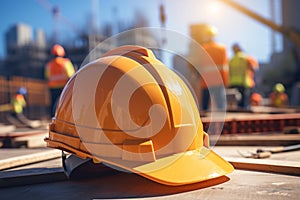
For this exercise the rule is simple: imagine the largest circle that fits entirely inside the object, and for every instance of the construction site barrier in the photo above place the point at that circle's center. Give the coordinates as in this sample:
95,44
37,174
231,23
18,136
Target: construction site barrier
262,123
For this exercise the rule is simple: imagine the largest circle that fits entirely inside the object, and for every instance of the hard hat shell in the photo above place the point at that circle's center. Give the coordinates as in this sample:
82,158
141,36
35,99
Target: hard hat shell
22,90
203,33
279,88
205,29
236,47
211,30
58,50
129,110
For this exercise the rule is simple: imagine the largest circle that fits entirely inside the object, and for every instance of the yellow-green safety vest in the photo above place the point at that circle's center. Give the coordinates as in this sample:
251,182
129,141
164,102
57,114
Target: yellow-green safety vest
238,75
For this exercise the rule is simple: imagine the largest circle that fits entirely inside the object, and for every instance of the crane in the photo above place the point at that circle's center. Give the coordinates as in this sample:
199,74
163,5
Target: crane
289,33
57,16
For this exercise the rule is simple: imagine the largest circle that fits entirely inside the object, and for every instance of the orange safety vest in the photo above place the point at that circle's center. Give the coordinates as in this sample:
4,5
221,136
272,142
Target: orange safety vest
218,54
278,99
58,72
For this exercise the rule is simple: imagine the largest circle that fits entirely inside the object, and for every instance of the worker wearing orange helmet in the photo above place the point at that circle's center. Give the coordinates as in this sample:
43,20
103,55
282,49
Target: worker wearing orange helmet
210,83
57,72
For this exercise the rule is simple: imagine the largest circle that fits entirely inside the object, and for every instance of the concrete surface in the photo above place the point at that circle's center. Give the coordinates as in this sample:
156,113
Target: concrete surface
111,184
120,185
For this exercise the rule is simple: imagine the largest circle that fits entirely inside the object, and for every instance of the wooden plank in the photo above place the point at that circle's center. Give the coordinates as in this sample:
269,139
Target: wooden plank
255,139
272,166
29,138
29,159
22,132
6,128
274,110
32,141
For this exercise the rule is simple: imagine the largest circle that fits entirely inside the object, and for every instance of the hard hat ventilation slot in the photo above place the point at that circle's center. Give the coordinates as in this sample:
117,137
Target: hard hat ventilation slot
138,150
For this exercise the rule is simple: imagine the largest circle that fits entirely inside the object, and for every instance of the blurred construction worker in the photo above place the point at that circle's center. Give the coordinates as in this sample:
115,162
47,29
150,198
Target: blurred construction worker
211,85
241,72
57,72
278,97
18,103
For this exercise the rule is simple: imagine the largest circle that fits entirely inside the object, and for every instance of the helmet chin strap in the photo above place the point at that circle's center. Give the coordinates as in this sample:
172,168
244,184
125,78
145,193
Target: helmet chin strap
71,162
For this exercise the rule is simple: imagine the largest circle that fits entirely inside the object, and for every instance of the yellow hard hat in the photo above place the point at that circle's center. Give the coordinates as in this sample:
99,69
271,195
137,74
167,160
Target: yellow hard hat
58,50
203,30
211,30
129,110
279,88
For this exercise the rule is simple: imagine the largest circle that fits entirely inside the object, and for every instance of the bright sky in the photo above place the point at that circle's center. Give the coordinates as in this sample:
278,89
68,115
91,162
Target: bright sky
232,26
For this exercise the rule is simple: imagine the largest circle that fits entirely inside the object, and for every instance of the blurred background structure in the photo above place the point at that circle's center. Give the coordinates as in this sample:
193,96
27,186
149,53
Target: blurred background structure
269,30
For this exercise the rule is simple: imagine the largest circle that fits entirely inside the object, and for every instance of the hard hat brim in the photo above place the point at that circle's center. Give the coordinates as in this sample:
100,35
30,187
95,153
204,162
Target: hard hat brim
182,168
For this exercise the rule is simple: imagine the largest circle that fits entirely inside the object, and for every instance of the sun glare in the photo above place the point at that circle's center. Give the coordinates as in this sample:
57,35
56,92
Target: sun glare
214,8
